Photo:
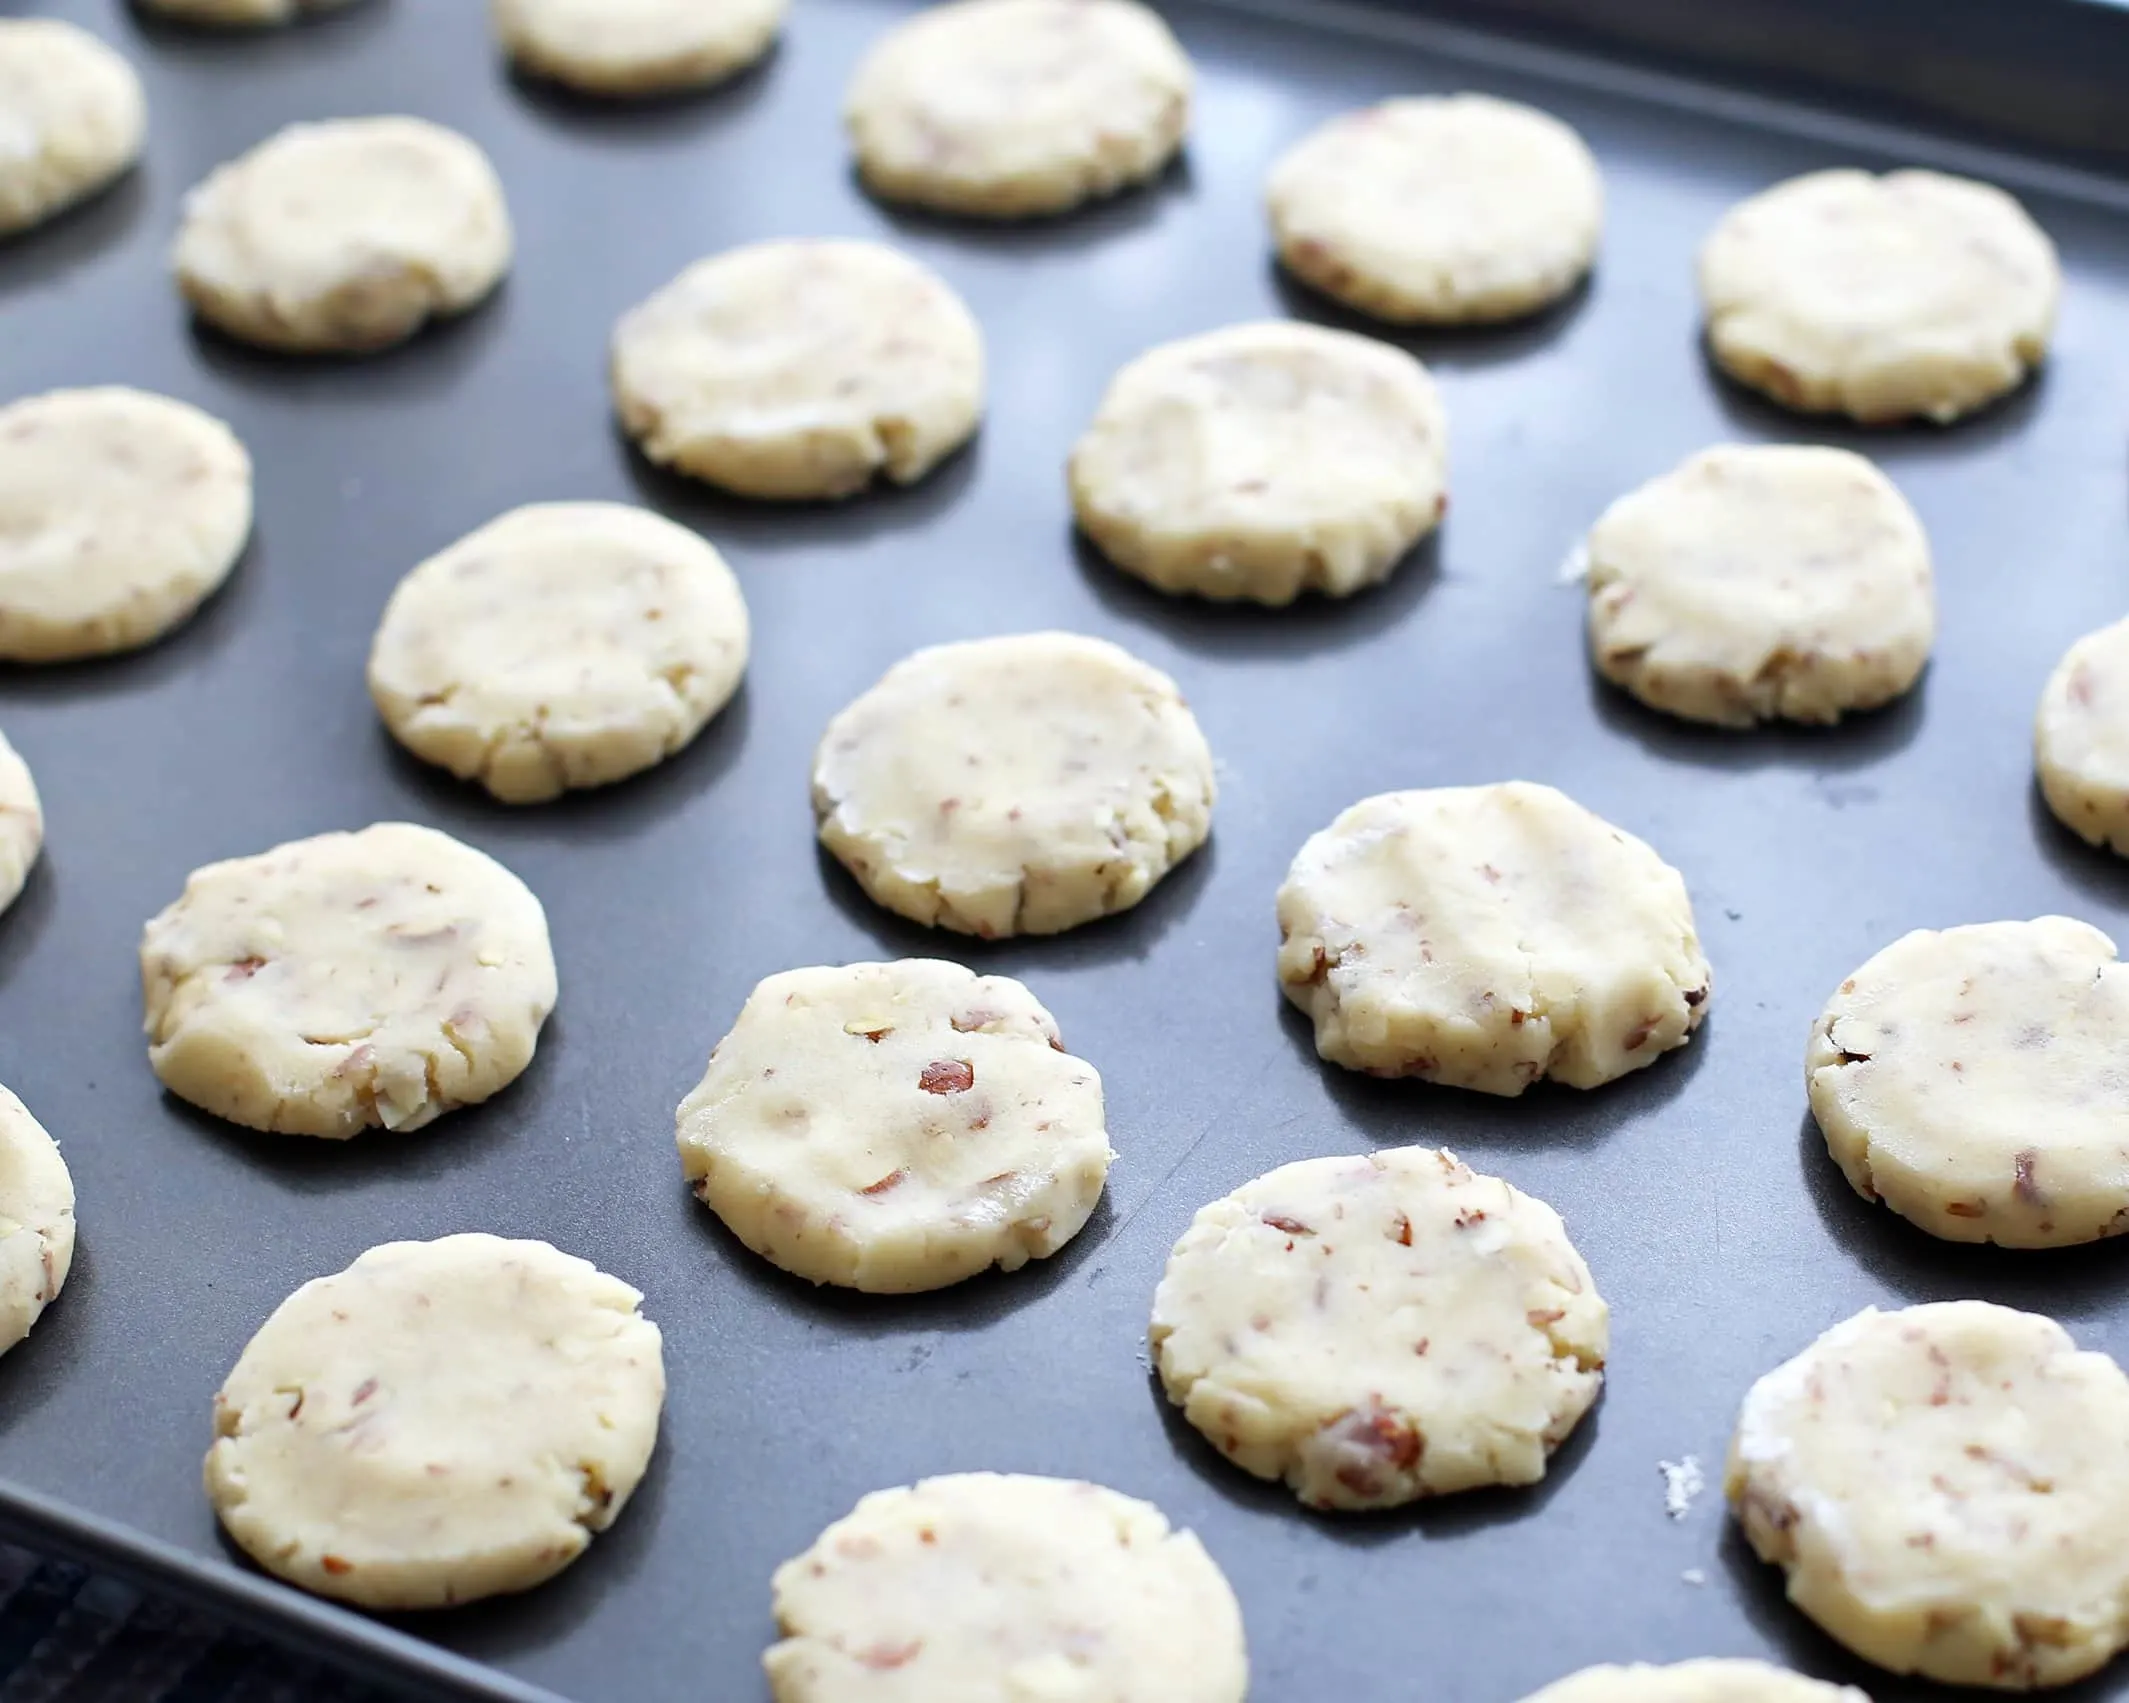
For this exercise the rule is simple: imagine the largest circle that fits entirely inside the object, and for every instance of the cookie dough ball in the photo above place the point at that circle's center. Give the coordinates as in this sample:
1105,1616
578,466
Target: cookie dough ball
1775,581
800,369
36,1221
1487,936
1006,109
1943,1486
1379,1329
636,47
564,645
344,237
240,13
1264,461
440,1422
989,1586
72,118
120,513
1439,210
1694,1682
1882,298
1019,785
2081,739
340,983
21,824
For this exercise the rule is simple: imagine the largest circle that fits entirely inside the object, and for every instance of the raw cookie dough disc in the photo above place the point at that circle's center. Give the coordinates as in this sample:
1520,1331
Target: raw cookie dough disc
335,984
72,118
1263,461
1763,582
564,645
1439,209
1006,109
241,13
36,1220
21,823
636,47
1018,785
983,1587
1974,1080
1487,936
1944,1487
440,1422
1379,1329
1879,297
1715,1681
120,512
344,237
800,369
2081,738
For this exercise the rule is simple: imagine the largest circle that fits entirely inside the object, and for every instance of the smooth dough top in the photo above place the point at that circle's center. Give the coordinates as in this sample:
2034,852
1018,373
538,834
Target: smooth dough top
344,236
1262,461
2081,738
800,369
36,1220
1944,1486
120,511
72,117
241,12
348,981
1488,936
1977,1081
1880,297
21,823
983,1587
1013,108
636,47
1762,581
1714,1681
1379,1329
1439,209
1016,785
439,1422
563,645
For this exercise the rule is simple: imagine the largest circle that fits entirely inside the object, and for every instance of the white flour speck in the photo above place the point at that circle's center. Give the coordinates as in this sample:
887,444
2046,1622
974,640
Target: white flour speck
1576,566
1682,1481
1694,1576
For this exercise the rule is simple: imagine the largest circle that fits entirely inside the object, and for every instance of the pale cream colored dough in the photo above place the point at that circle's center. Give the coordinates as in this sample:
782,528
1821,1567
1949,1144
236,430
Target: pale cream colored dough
1020,785
1712,1681
1263,461
2081,738
1006,109
21,823
636,47
36,1221
1439,209
1763,582
340,983
985,1587
800,370
563,645
1884,298
241,13
1943,1486
344,237
1487,936
442,1421
72,118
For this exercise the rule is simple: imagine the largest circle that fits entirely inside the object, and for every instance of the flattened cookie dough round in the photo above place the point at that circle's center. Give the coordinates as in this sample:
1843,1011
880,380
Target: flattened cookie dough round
440,1422
1264,461
1018,785
344,237
1713,1681
1487,936
21,824
72,118
36,1221
1439,209
1763,582
800,370
1943,1486
344,982
1884,298
120,513
896,1127
1007,109
1973,1081
985,1586
1380,1329
636,47
563,645
2081,738
241,14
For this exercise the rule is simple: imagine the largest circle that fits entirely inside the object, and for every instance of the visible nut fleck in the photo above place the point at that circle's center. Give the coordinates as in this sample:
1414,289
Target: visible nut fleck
947,1076
1287,1226
893,1179
334,1565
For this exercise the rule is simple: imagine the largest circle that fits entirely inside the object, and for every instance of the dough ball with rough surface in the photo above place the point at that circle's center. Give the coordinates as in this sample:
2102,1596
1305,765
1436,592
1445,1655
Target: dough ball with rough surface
563,645
1007,109
1884,298
1764,582
896,1127
636,47
241,14
2081,739
344,982
344,237
440,1422
1020,785
1943,1486
36,1220
1488,936
1378,1329
984,1587
1711,1681
1439,210
800,369
1263,461
72,118
21,824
